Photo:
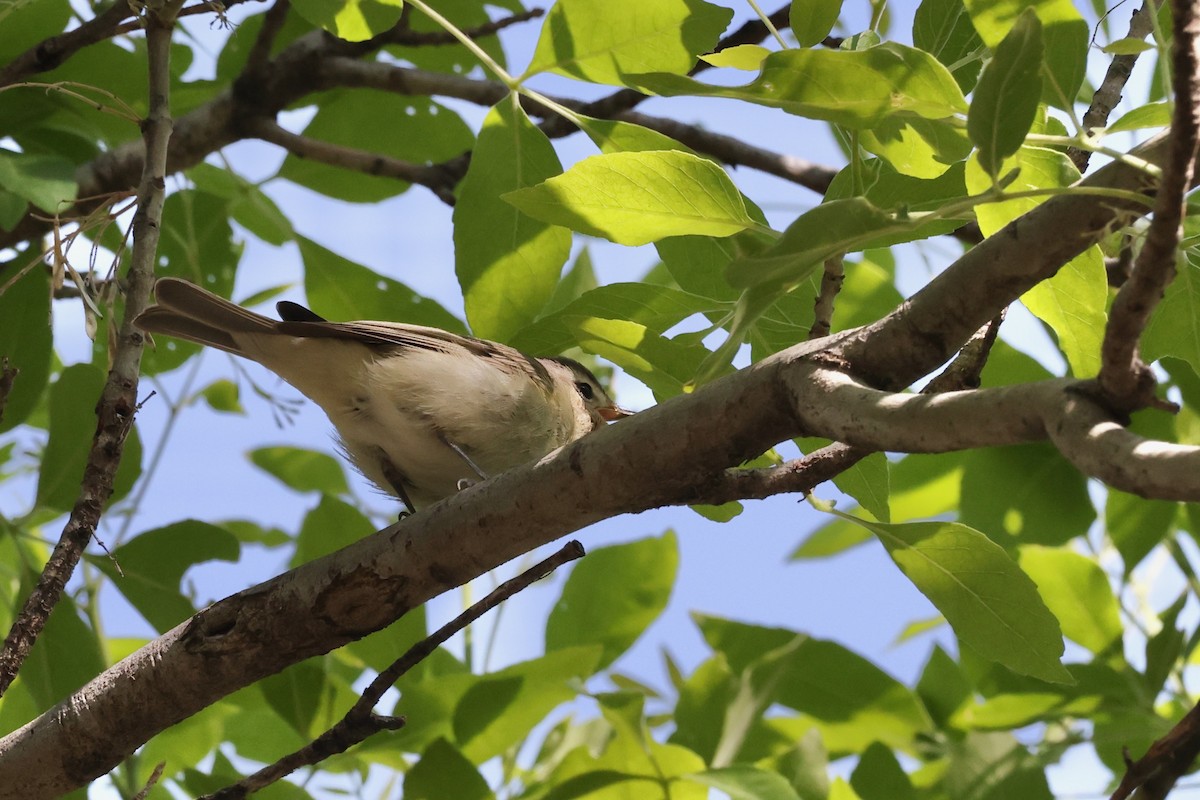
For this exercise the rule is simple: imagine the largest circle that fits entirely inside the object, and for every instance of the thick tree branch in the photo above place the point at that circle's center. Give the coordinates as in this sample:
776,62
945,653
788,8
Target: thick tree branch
1128,382
361,721
118,402
925,330
658,457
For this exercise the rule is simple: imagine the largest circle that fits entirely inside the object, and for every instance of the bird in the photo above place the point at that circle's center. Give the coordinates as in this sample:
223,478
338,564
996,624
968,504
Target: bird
420,412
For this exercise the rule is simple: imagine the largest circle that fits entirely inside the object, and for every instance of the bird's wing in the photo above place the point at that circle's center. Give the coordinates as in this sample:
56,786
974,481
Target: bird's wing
402,336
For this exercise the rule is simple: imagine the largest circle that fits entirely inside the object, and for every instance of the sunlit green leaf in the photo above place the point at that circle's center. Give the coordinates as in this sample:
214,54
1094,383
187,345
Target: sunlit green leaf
855,88
302,470
613,595
1006,98
507,262
992,605
638,198
607,42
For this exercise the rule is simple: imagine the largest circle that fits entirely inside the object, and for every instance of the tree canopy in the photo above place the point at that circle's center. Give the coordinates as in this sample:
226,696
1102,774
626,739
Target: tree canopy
972,321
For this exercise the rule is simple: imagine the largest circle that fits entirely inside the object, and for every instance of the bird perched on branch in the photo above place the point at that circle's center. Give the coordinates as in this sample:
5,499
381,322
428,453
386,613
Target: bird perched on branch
421,412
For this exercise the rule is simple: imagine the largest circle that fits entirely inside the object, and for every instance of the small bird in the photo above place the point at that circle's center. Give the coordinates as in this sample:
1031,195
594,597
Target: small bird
421,412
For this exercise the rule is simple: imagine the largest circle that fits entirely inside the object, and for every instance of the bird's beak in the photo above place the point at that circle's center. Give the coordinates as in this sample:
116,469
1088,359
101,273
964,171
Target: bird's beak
610,413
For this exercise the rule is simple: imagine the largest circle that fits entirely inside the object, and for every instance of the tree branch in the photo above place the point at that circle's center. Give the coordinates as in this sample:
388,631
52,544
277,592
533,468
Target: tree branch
361,721
435,178
925,330
1128,382
1108,94
118,402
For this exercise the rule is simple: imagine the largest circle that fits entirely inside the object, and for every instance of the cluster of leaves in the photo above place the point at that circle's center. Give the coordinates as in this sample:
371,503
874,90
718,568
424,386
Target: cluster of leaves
962,124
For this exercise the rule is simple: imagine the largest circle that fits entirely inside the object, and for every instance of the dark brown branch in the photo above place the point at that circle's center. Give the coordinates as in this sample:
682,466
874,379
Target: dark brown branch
435,178
50,53
8,374
260,51
118,402
1167,760
1108,94
361,721
967,367
1126,380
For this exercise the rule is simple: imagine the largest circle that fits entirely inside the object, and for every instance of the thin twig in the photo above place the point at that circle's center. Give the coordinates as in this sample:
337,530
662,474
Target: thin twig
435,178
1108,94
1125,379
965,370
1167,760
260,51
361,721
152,781
118,402
831,283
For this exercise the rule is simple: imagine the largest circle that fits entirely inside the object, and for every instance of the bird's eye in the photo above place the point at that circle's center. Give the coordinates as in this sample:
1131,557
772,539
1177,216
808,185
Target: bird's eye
586,390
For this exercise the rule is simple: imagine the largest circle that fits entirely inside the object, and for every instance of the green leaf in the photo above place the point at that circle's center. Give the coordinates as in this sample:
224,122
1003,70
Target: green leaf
306,696
615,136
605,43
665,365
223,395
854,88
1064,32
507,263
748,57
27,24
1077,592
352,20
302,470
613,595
992,606
1174,330
500,709
25,340
638,198
1072,302
944,29
73,399
343,290
745,782
1151,115
152,565
658,308
830,229
832,538
420,131
943,686
1006,99
854,701
46,181
812,20
1004,494
991,766
330,526
917,147
1128,46
1136,525
248,204
879,776
444,773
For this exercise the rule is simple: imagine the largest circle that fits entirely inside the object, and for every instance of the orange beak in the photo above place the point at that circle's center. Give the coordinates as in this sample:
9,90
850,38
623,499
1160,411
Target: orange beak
610,413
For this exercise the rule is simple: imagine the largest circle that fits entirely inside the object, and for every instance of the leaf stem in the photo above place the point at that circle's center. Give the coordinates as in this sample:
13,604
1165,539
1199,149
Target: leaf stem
766,20
467,42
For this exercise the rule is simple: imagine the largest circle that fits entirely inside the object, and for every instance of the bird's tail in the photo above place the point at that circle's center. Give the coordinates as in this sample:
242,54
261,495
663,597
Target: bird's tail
187,311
